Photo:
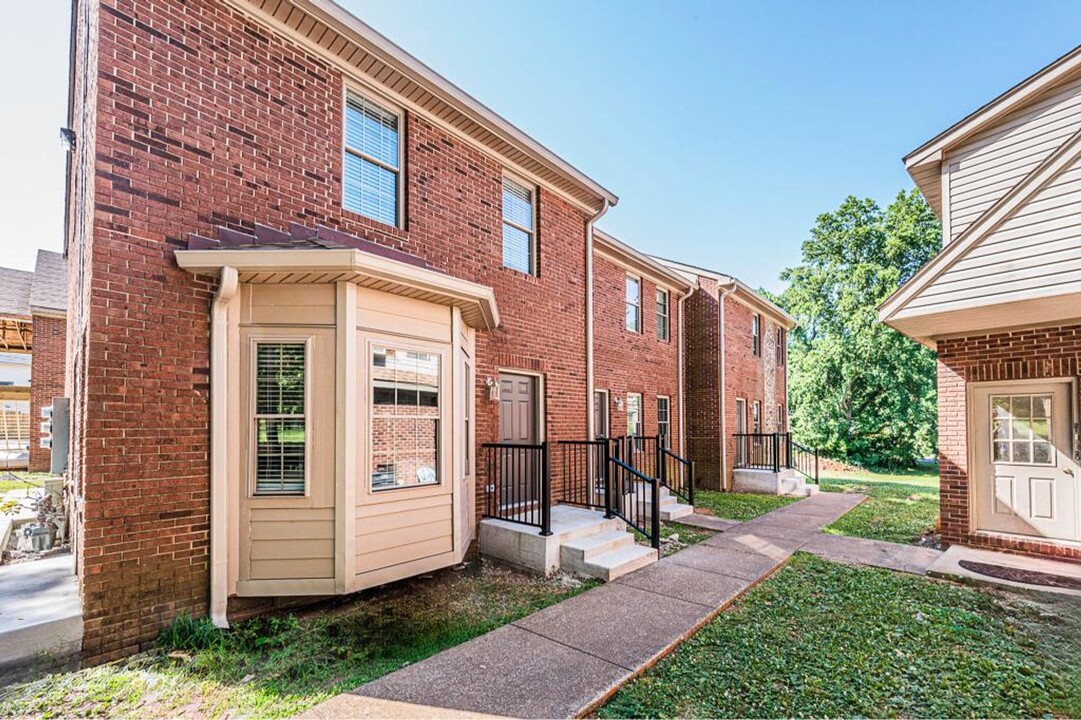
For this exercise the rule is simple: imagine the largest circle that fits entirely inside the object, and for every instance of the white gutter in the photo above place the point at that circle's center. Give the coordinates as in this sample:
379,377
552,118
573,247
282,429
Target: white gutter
219,458
679,377
724,293
590,420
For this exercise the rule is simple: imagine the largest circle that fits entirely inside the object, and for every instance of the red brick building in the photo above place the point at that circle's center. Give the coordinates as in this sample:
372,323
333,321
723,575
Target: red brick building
311,282
736,376
33,306
1000,304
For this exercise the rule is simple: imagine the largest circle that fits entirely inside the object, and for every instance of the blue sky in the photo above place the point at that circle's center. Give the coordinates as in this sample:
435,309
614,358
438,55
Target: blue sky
724,127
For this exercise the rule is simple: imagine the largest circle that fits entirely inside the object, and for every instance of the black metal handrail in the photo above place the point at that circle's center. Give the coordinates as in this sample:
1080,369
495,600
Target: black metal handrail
677,474
583,470
774,451
635,499
518,484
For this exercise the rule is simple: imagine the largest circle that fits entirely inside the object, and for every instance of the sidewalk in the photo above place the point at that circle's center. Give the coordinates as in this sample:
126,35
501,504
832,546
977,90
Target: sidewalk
566,659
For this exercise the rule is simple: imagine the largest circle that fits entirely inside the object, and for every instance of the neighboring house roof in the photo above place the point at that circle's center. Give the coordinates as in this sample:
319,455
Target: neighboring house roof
15,292
737,288
361,49
955,293
323,255
49,289
924,163
625,255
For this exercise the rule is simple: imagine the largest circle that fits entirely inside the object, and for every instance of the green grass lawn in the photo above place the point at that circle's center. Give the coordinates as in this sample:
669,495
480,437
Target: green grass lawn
821,639
21,480
737,506
279,666
901,507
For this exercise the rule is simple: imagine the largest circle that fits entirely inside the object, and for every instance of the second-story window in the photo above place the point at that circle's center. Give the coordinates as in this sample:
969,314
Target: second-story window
756,334
634,304
662,314
519,238
780,347
372,160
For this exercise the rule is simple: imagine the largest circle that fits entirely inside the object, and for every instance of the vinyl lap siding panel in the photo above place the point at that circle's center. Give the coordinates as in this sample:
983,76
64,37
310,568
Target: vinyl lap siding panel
1035,253
986,168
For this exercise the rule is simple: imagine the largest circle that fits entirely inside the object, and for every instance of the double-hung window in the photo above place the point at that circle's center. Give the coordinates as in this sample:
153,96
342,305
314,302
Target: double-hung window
405,391
634,304
372,160
662,315
756,417
519,236
280,420
664,418
634,414
780,347
756,334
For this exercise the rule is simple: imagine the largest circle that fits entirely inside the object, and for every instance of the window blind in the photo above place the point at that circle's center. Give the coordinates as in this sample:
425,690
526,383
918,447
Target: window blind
280,422
518,245
371,160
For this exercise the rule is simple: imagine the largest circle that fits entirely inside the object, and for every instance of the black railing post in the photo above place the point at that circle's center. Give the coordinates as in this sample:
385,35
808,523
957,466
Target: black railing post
658,461
788,450
607,481
690,484
546,491
816,466
655,515
776,448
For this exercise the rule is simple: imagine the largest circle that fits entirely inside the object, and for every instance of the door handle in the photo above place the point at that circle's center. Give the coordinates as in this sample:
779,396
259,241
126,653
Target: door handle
1068,471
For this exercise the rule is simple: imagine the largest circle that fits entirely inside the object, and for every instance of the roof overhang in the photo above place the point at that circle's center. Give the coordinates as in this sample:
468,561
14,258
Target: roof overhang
924,163
323,266
623,254
363,52
737,289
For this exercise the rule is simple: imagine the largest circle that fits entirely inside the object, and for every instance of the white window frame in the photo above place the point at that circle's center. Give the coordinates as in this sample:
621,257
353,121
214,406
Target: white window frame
664,327
668,419
756,335
780,418
254,417
991,440
641,410
598,393
399,172
534,264
781,347
756,418
627,303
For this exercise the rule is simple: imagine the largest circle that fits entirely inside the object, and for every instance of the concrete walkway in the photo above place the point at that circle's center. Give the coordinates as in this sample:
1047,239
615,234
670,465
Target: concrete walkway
40,610
861,551
567,659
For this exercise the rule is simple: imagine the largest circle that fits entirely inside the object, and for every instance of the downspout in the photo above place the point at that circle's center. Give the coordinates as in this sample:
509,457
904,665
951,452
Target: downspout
724,293
219,442
590,428
679,376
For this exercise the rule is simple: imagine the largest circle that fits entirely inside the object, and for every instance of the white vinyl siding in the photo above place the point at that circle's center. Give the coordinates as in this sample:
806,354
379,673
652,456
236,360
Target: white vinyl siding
1034,253
634,304
983,170
370,185
519,237
280,418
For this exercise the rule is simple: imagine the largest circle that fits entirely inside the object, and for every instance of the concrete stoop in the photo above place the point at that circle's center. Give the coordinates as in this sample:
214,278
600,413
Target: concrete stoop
582,541
766,482
671,507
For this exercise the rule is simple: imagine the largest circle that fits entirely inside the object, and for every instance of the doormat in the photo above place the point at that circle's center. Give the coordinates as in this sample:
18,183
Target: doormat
1030,577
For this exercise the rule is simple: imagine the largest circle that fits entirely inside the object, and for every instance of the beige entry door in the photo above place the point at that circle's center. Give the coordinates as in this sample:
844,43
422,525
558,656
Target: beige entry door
518,426
1025,477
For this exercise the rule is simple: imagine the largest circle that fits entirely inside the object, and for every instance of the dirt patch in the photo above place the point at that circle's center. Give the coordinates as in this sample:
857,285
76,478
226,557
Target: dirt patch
1020,575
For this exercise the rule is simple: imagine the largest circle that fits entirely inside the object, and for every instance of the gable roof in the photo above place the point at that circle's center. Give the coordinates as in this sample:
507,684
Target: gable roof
49,289
363,51
916,323
15,292
923,163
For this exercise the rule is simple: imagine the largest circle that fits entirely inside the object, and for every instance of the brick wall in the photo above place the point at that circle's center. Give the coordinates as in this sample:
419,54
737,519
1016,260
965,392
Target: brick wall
746,376
46,381
637,362
204,118
1019,355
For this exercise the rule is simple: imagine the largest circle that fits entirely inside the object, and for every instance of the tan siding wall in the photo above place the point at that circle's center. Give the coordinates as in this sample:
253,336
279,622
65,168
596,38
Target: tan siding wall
1035,253
984,169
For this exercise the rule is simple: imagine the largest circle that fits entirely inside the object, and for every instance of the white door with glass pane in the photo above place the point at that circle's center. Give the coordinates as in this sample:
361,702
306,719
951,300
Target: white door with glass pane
1025,478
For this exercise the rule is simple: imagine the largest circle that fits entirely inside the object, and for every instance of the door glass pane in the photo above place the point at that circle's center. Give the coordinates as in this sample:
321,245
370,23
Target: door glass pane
1002,452
1022,452
1000,407
1041,406
1021,430
1041,453
1040,429
1000,430
1021,406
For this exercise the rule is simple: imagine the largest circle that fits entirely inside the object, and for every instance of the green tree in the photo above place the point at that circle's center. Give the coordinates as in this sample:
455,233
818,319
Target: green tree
859,390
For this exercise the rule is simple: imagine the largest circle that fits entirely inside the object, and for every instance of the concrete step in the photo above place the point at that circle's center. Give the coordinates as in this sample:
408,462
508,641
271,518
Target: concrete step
575,553
618,563
675,511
